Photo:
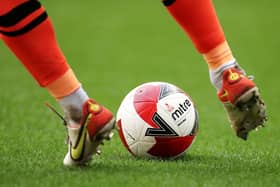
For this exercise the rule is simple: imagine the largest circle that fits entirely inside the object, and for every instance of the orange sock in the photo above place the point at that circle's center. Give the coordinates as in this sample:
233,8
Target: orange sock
64,85
198,19
218,56
27,31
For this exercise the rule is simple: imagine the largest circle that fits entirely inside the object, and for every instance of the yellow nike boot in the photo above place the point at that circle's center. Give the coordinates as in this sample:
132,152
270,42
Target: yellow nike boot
84,139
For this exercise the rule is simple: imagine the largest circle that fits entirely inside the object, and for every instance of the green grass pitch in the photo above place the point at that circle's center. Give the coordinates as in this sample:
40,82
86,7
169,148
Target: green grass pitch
114,46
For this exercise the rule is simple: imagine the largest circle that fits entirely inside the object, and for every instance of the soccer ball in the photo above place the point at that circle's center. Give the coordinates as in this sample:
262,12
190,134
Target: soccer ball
157,120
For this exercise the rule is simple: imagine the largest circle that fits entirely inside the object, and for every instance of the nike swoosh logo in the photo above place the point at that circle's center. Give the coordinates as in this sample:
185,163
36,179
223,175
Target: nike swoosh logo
225,94
77,151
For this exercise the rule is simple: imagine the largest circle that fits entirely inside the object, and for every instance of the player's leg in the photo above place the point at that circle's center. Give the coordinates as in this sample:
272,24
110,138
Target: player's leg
27,30
239,94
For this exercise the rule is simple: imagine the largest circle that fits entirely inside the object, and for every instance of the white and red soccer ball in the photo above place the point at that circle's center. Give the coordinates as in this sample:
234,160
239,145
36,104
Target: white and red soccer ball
157,120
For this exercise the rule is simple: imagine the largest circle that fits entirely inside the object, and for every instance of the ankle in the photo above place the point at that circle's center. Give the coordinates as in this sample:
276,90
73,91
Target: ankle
72,105
216,75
